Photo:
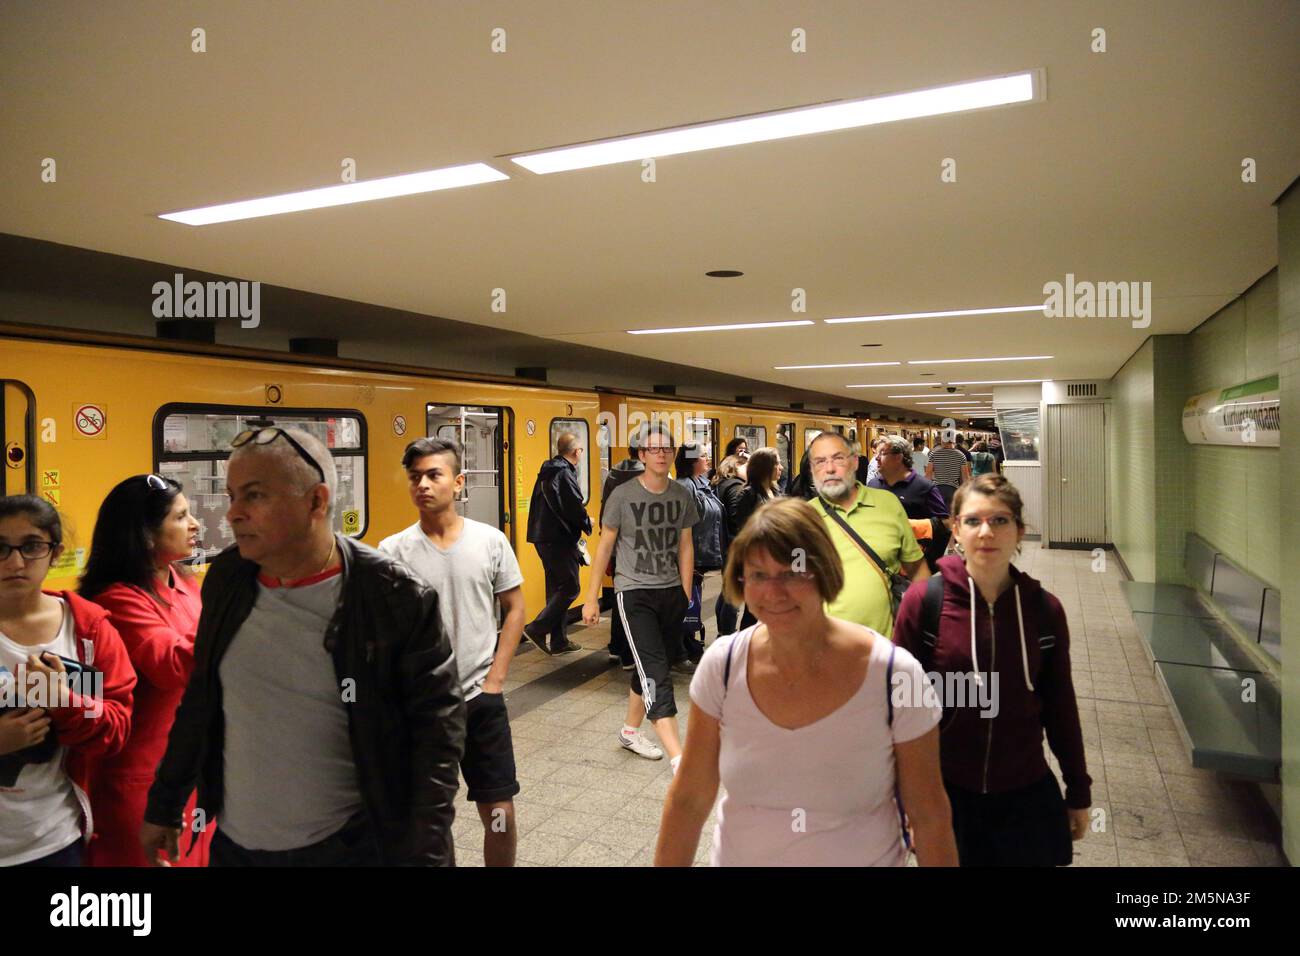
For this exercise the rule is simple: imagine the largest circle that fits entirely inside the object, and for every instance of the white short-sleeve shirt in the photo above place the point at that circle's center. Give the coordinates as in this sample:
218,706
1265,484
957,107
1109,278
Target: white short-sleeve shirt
821,795
467,576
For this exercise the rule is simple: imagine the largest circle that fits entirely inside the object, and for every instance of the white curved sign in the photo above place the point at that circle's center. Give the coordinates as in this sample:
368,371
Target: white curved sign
1246,415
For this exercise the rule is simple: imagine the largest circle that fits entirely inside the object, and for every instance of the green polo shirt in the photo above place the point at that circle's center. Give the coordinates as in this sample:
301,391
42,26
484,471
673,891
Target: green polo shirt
879,519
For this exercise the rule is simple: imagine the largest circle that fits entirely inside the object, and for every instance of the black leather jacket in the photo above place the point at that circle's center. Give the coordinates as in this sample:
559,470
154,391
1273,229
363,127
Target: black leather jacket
556,514
407,724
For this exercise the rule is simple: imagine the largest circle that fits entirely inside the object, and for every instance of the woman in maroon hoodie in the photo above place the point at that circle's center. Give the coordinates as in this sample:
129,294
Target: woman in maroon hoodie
144,526
51,721
1001,661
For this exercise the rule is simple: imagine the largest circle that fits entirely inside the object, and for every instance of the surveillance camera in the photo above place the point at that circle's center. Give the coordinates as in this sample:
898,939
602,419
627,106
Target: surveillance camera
952,388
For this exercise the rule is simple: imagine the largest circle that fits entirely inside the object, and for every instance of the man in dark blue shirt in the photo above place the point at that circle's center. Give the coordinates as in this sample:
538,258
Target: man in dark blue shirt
920,496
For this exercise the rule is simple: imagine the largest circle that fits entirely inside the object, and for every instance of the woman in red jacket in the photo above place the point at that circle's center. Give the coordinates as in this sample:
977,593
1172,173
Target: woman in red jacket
51,720
997,647
144,527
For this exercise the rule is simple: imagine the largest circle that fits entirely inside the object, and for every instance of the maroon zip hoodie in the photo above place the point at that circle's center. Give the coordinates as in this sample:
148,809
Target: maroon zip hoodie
1004,752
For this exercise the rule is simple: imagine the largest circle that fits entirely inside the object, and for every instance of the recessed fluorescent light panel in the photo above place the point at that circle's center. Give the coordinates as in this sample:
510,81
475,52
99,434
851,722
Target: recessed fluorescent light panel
934,315
894,385
931,395
1015,358
720,328
782,368
408,184
1004,381
889,108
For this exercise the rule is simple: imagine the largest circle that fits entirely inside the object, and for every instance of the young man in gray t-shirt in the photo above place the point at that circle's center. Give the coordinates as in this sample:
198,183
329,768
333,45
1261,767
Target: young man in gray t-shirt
648,521
472,568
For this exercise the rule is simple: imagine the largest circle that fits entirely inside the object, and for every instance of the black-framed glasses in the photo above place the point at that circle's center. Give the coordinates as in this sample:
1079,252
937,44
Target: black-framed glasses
264,436
30,550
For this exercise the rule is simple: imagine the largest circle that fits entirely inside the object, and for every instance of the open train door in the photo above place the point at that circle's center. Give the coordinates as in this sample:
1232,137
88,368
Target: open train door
18,435
482,433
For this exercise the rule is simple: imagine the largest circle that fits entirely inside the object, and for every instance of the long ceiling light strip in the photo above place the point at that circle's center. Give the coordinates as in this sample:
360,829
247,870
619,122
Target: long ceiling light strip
1005,381
783,368
888,108
973,361
720,328
432,180
934,315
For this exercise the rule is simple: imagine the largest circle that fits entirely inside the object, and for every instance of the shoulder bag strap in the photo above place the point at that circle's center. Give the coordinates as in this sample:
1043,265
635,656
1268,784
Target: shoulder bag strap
857,539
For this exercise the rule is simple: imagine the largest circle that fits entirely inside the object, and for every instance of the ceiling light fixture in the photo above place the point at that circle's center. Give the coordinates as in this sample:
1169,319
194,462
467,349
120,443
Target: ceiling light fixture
451,177
892,385
720,328
927,395
955,98
933,315
1004,381
1016,358
783,368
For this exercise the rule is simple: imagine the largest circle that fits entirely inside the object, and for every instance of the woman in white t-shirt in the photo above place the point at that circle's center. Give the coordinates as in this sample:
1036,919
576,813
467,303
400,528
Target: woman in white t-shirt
51,722
796,718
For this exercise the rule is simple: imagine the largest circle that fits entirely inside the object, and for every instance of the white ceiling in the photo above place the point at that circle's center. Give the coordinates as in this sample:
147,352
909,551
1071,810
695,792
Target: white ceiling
1130,170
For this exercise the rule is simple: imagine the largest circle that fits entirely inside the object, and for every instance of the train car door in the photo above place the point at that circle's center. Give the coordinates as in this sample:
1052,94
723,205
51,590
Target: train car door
785,448
481,432
704,431
17,435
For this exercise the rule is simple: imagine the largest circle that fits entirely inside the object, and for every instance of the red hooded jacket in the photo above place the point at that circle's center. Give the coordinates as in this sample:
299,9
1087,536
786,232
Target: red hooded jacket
89,737
1035,692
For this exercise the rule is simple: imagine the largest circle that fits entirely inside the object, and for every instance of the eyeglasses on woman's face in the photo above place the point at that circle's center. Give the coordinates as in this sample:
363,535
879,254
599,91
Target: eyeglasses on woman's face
760,579
30,550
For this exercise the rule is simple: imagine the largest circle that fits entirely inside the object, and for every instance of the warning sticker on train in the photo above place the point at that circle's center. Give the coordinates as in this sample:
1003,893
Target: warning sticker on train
351,522
90,420
399,425
531,426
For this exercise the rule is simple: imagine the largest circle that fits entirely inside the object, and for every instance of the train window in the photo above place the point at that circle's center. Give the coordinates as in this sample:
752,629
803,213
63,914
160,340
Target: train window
479,431
192,445
605,438
785,448
853,436
1019,430
755,436
704,431
579,427
808,435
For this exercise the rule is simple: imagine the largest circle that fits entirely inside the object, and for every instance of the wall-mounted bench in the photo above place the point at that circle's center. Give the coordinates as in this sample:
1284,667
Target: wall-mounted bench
1203,668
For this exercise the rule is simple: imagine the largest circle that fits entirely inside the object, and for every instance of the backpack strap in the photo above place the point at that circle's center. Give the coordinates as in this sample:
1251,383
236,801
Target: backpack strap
903,824
931,610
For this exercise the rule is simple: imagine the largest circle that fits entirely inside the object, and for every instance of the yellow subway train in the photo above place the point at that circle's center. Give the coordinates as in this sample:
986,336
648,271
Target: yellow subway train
83,410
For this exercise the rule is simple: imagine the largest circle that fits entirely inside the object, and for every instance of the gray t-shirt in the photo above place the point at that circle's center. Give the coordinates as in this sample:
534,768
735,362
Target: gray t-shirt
467,576
649,527
290,779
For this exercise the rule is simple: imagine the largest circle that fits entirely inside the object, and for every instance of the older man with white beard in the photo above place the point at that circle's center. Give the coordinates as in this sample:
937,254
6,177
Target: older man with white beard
877,520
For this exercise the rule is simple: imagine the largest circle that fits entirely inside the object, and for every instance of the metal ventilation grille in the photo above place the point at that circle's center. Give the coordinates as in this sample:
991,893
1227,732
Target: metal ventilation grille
1082,390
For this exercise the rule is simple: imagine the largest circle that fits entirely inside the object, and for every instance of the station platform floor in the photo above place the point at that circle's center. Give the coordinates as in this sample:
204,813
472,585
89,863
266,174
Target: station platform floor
585,801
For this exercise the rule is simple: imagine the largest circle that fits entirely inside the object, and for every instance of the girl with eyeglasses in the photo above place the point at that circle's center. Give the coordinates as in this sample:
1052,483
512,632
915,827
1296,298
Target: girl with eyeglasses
144,529
54,721
808,722
986,627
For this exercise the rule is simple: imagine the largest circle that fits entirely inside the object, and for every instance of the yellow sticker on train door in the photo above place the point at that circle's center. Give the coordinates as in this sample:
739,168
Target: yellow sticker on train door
351,522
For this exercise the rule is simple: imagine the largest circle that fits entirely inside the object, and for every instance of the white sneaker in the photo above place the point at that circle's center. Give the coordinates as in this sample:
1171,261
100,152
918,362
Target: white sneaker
637,743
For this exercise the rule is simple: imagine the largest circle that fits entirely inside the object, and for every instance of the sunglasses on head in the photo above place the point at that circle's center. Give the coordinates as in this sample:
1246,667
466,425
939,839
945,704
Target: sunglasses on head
264,436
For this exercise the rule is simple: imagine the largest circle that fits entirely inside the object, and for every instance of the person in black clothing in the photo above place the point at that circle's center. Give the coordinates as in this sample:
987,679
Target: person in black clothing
729,487
625,471
761,479
919,496
691,465
324,723
802,486
557,520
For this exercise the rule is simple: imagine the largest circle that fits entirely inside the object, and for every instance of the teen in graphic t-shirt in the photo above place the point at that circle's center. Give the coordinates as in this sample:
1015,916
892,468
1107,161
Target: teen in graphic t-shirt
645,519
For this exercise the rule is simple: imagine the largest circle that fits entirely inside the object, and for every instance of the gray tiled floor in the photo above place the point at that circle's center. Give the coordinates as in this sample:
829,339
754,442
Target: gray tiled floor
586,802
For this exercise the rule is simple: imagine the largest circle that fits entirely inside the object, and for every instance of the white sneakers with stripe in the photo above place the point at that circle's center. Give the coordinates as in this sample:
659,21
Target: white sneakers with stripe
634,741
